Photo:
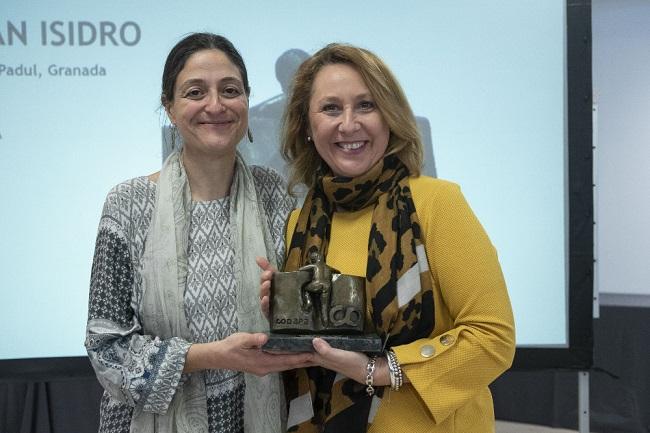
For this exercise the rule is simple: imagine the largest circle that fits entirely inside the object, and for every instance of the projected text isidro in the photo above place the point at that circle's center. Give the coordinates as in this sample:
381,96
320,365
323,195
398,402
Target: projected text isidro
73,33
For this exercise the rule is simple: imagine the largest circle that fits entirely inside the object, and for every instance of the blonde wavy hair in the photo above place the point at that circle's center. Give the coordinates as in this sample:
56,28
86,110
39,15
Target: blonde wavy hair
301,155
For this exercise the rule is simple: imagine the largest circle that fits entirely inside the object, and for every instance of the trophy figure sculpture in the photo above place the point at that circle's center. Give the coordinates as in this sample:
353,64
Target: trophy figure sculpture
318,301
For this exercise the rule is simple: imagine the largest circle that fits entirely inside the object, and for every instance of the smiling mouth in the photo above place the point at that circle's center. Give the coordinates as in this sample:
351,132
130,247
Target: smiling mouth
219,122
350,146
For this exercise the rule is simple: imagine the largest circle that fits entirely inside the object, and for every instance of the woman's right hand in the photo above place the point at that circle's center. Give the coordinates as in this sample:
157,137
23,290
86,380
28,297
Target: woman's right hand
265,283
242,351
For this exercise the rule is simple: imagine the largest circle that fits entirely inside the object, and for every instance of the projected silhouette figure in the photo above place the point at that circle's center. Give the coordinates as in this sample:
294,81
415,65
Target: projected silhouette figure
265,118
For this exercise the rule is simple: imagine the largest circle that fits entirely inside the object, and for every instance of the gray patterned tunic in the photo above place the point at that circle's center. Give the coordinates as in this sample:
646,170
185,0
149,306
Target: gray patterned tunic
137,369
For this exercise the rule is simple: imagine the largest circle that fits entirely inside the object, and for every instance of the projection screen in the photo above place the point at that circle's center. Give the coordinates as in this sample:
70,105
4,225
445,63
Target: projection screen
80,86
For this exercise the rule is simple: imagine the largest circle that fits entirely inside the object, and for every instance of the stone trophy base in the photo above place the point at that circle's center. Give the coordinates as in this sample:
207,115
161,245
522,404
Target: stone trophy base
303,343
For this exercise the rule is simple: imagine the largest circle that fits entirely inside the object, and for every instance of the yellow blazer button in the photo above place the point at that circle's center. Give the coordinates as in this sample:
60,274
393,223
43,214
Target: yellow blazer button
427,351
447,340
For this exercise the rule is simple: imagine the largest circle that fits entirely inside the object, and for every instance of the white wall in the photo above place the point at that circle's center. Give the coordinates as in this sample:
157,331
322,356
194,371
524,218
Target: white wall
621,81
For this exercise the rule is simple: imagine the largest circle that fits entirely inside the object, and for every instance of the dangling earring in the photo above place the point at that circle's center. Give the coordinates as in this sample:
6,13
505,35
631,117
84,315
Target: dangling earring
173,131
308,138
250,135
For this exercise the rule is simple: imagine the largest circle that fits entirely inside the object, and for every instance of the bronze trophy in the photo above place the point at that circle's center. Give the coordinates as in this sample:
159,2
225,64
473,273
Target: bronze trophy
318,301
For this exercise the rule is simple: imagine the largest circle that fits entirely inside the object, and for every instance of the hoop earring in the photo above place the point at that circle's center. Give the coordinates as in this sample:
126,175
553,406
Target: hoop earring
250,135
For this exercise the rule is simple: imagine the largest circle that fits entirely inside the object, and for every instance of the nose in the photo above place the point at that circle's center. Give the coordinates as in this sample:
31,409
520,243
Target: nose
213,103
349,122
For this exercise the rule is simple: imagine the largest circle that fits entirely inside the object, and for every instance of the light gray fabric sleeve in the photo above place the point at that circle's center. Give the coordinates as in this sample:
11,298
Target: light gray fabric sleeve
135,369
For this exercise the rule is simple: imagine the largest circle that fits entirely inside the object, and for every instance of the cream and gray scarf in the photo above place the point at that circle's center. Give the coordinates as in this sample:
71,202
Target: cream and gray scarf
163,281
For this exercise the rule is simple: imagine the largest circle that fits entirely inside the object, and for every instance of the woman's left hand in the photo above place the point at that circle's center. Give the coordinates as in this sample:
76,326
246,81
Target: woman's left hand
350,364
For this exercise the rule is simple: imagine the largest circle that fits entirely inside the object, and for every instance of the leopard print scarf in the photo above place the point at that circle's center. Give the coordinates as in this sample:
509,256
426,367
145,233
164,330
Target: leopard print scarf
398,284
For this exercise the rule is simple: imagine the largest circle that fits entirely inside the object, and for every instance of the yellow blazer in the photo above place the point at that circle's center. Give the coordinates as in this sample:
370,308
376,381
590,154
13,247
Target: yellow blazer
473,341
